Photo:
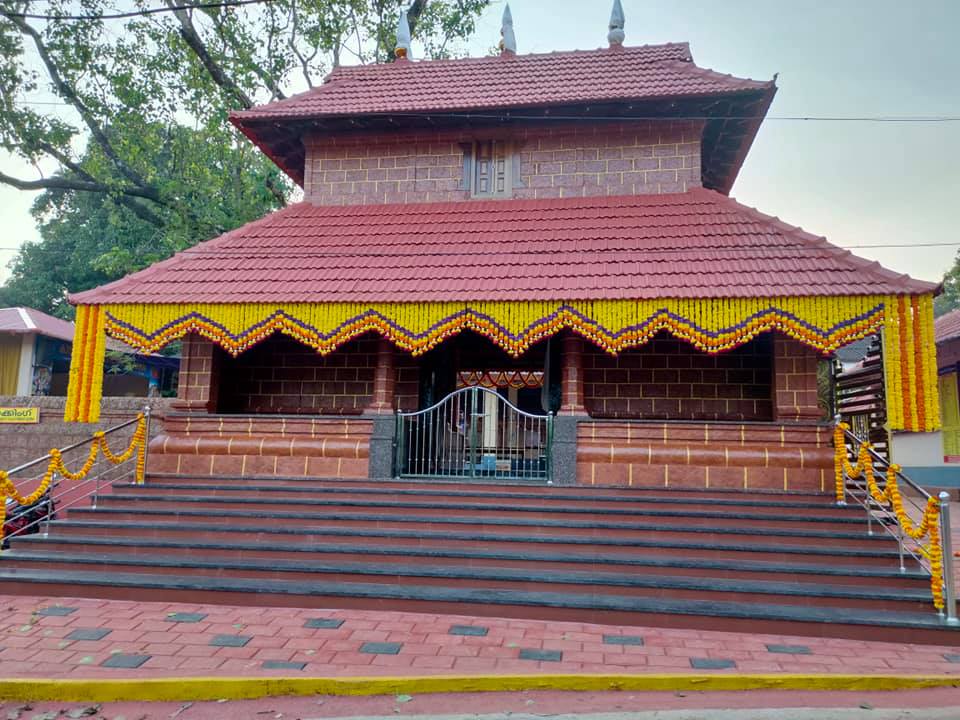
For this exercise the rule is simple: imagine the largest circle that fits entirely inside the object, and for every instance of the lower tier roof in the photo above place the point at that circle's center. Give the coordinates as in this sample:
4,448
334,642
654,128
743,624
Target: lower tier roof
698,244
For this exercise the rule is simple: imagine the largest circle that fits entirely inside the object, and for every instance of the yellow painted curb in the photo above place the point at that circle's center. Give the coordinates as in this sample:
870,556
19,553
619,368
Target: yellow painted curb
237,688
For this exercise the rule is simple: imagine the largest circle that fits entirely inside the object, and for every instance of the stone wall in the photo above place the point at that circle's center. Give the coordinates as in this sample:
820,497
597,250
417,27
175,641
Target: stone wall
21,443
553,161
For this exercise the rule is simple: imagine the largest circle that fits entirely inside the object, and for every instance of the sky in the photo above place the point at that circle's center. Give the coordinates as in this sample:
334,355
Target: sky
855,182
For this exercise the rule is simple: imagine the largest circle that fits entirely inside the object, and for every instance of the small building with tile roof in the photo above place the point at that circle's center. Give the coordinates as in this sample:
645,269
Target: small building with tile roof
555,229
35,351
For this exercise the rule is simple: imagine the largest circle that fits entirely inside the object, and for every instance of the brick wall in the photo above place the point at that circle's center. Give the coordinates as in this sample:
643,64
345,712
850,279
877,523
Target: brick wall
199,375
230,445
795,370
668,379
792,457
281,375
554,161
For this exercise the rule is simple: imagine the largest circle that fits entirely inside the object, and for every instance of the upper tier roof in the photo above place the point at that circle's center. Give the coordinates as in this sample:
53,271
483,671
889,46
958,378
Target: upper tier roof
698,244
508,81
646,81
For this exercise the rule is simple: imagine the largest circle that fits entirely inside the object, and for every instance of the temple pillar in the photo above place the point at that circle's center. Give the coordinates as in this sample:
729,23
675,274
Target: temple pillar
571,379
384,381
572,411
199,380
795,396
381,408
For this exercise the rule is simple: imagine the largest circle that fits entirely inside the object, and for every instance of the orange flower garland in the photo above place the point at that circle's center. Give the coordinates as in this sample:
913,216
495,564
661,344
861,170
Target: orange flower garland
890,496
138,444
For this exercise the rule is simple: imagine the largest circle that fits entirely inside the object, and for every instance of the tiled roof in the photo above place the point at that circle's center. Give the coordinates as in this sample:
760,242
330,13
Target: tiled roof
947,327
27,320
692,245
507,81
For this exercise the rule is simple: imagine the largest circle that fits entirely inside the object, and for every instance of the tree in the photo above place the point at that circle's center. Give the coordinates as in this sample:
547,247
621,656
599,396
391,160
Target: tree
146,162
950,298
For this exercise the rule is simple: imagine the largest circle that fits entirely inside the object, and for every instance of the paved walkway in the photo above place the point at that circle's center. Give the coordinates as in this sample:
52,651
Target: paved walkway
83,638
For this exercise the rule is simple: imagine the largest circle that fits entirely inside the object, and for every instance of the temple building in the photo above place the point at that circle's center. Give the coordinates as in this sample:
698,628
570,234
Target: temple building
514,267
518,353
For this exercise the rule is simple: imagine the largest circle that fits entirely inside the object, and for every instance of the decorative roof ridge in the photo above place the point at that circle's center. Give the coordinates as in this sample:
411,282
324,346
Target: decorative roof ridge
820,242
79,297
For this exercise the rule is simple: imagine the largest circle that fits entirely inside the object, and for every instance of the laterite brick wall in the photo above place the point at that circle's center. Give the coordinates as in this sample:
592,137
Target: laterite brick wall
647,157
795,373
668,379
281,375
792,457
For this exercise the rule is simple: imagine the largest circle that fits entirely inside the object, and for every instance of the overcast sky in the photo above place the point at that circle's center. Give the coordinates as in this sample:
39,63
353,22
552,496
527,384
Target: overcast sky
855,182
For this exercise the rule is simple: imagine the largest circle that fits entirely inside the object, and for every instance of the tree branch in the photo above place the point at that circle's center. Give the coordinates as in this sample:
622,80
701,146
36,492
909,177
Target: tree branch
67,92
193,40
58,182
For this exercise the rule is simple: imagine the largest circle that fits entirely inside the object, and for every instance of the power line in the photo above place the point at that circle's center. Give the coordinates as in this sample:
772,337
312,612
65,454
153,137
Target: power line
623,118
788,118
138,13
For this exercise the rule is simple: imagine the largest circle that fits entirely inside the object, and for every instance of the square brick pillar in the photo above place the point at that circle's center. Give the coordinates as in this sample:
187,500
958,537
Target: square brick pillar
794,381
571,378
384,381
199,380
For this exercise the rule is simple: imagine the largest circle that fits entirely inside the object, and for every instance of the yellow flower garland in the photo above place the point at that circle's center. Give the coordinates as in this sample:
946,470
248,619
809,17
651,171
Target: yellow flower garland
890,496
138,444
711,325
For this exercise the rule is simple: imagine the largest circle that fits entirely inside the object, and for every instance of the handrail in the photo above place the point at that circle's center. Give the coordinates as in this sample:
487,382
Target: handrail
878,457
887,506
68,448
43,496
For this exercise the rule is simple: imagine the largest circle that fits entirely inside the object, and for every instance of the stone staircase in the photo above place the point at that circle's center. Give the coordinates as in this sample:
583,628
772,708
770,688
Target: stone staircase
721,560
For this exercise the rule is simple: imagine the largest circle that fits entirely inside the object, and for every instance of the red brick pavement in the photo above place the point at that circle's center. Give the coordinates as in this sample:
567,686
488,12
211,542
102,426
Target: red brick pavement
37,645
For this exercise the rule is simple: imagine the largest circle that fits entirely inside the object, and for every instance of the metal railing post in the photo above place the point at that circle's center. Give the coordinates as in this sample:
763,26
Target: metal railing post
50,494
946,543
146,443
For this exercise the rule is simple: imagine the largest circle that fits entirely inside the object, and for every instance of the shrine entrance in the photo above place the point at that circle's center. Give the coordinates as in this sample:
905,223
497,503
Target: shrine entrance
475,432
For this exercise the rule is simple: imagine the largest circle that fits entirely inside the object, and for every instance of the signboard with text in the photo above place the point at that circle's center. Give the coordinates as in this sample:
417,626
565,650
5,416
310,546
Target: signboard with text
19,415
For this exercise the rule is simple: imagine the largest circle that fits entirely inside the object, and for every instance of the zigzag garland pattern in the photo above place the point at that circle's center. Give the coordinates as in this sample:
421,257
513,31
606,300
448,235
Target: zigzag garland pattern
564,317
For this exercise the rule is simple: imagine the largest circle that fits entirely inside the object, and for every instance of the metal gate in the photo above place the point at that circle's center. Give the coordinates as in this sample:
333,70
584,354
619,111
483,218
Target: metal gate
474,433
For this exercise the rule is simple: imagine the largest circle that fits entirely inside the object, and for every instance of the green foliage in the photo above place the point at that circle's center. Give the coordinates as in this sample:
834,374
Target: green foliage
950,298
147,163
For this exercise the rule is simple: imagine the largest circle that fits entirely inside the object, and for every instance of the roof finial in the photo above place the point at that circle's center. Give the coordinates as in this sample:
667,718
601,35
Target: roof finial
616,35
508,42
403,37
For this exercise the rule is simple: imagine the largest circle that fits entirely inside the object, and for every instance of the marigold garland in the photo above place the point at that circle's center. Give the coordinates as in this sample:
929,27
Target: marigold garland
711,325
138,445
890,496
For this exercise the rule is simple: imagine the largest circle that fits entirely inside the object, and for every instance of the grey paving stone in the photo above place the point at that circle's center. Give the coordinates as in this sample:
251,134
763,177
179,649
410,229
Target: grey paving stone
89,634
951,658
544,655
56,611
622,640
128,662
323,623
711,664
789,649
281,665
381,648
471,630
230,640
181,617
